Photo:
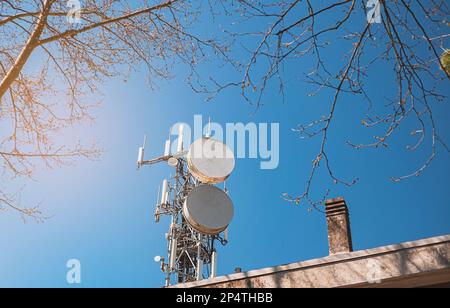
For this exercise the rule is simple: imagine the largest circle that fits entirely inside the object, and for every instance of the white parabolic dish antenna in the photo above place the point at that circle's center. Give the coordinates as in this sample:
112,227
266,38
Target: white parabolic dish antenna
210,161
208,209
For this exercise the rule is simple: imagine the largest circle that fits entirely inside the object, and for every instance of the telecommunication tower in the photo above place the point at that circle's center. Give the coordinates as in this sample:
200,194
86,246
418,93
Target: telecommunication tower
199,211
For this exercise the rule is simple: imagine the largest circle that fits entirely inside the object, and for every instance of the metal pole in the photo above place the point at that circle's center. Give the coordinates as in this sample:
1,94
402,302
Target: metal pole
199,259
213,264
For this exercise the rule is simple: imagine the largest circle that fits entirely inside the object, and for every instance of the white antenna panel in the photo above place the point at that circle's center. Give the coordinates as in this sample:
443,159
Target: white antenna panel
180,138
141,153
164,192
167,198
173,255
141,156
167,148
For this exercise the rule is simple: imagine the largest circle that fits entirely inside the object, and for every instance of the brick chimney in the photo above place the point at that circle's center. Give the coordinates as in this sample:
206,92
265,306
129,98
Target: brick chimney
338,221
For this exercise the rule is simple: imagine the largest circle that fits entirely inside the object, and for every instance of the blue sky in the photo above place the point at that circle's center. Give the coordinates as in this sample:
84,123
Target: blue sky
103,210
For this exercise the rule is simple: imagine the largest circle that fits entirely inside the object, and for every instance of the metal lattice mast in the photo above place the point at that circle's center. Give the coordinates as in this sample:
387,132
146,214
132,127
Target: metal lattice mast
190,254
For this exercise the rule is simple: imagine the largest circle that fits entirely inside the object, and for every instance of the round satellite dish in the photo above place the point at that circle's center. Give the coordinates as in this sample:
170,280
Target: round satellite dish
210,161
208,209
173,162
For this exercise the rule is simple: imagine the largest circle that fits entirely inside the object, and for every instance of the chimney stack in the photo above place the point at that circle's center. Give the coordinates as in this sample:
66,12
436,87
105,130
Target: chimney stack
338,221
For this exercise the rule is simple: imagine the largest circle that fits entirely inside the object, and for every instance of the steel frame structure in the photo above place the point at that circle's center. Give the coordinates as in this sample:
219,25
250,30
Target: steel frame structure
191,255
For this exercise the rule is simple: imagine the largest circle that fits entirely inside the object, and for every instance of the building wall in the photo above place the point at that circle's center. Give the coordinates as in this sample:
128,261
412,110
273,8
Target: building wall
413,264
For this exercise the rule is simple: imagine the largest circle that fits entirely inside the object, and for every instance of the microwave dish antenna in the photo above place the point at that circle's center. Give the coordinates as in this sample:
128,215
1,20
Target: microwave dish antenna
210,161
208,209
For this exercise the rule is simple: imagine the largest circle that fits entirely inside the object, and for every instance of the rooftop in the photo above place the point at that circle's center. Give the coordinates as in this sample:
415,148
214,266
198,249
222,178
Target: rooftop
422,263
